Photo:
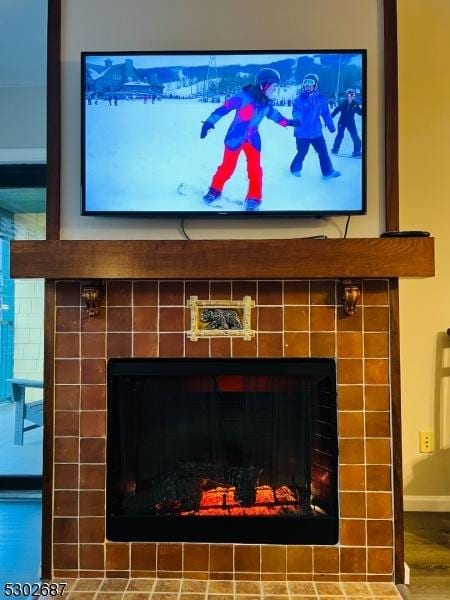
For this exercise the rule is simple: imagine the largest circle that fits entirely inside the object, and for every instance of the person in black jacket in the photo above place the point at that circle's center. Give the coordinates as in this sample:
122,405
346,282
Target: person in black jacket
348,108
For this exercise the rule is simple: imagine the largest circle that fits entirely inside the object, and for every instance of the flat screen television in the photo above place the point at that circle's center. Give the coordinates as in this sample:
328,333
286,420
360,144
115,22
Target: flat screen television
276,133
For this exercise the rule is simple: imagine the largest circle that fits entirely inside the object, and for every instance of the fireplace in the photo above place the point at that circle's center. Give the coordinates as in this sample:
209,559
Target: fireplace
222,450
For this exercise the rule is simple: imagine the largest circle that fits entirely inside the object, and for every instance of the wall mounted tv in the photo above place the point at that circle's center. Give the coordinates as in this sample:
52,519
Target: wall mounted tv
224,133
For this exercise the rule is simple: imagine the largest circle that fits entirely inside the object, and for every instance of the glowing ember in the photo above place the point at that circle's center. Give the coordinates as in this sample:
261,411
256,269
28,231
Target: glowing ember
221,501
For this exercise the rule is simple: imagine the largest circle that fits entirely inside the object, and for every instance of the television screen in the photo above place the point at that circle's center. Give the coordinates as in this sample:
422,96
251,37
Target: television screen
214,133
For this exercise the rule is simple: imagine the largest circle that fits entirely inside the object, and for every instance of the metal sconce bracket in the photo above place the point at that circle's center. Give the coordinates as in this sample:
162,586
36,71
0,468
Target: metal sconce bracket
351,291
92,293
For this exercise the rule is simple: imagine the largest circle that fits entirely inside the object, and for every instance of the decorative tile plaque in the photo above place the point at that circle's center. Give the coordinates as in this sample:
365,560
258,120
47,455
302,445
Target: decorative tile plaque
220,318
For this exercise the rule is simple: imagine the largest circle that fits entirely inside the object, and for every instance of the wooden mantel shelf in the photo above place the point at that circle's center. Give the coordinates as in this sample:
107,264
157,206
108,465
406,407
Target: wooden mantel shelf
224,259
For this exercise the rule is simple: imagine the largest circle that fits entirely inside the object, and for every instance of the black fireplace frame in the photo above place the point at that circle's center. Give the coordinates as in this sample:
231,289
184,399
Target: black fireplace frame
317,530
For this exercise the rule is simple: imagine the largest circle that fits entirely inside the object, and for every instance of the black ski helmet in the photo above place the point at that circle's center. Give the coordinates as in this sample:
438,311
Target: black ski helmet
350,91
268,76
312,77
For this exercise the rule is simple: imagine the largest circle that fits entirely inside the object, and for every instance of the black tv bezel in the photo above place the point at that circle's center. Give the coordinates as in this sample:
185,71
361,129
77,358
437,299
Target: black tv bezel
221,214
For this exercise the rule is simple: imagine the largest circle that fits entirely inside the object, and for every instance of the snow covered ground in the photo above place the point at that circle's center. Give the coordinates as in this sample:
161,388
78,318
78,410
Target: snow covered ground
149,157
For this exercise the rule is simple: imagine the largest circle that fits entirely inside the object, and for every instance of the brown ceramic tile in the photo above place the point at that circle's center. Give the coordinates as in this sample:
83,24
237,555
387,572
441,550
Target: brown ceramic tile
145,293
171,293
378,451
68,293
117,556
377,424
118,345
87,585
326,560
114,585
143,556
302,588
66,423
171,319
92,503
379,533
379,505
349,344
93,423
220,347
248,587
299,559
376,345
376,371
351,424
379,560
140,596
67,397
92,530
92,556
352,478
270,318
219,575
125,574
323,292
92,477
239,576
197,288
93,345
270,292
196,557
221,557
67,319
352,532
241,348
221,587
145,345
296,318
296,292
65,503
119,319
82,595
323,344
92,450
65,530
375,318
322,318
198,349
171,345
377,397
191,586
353,560
141,585
66,476
65,556
119,293
220,290
384,590
273,559
67,370
358,589
169,557
351,451
348,322
349,371
296,344
93,371
93,397
145,318
93,324
375,291
243,288
67,345
270,345
66,450
378,478
247,558
329,589
274,588
350,397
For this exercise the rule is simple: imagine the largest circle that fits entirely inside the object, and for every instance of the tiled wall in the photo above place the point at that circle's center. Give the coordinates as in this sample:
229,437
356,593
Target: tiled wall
292,318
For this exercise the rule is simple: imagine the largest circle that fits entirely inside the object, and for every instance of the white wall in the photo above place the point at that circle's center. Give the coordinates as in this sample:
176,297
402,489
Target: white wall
106,25
424,97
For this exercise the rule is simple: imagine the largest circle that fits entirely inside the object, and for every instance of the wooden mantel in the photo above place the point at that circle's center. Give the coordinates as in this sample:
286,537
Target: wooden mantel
224,259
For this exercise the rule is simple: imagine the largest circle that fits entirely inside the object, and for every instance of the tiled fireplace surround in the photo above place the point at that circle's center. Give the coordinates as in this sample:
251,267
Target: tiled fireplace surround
148,318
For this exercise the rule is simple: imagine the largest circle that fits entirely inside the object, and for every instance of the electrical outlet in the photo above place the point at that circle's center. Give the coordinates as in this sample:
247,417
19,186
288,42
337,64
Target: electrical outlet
426,441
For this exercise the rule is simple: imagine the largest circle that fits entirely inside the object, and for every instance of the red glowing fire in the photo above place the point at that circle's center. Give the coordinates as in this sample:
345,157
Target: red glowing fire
220,501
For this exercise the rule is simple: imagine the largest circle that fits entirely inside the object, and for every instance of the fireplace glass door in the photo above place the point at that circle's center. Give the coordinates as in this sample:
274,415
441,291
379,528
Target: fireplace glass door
222,450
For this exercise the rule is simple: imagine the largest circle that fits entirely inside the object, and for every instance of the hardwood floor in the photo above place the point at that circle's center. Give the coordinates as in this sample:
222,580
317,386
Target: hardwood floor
427,553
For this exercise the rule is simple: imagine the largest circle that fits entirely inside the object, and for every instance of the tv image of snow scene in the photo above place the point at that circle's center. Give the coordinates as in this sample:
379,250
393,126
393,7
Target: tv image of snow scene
278,133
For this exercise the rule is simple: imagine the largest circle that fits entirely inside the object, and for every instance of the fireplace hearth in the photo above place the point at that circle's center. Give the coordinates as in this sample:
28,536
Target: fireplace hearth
222,450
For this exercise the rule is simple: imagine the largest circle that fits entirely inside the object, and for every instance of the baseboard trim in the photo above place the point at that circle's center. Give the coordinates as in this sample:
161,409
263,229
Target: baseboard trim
426,503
